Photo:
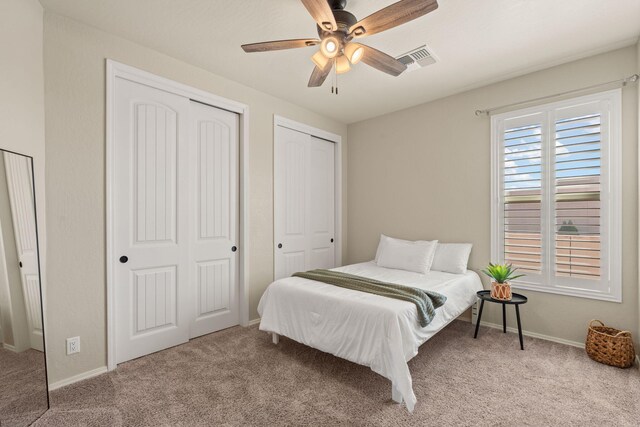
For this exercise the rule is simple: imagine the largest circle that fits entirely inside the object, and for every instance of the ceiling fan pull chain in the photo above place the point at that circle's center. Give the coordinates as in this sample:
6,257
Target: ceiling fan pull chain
335,72
333,82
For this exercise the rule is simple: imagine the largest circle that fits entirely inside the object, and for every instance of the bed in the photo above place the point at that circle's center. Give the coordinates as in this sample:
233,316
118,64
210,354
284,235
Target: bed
371,330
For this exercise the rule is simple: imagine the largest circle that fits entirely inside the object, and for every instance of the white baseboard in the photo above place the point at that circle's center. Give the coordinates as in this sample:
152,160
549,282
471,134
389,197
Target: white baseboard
76,378
535,335
9,347
254,322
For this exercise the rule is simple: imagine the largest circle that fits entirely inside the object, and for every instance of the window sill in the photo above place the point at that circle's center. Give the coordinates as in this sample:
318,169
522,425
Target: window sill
568,292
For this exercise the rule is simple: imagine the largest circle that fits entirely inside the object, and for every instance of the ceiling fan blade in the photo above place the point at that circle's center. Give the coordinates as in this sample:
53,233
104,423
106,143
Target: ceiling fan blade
392,16
381,61
319,75
279,45
321,13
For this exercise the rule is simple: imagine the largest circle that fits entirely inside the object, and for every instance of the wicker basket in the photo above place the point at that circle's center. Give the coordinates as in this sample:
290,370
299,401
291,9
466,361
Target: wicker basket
609,345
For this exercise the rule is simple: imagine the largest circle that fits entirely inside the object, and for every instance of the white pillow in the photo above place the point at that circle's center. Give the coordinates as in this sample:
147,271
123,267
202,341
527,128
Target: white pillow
452,257
405,255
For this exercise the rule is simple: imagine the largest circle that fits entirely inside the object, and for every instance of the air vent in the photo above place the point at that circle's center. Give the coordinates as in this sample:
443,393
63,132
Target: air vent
417,58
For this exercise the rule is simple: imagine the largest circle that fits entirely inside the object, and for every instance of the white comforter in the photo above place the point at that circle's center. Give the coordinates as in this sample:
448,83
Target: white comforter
371,330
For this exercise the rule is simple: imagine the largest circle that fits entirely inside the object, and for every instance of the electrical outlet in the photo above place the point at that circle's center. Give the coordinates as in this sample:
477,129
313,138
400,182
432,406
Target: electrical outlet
73,345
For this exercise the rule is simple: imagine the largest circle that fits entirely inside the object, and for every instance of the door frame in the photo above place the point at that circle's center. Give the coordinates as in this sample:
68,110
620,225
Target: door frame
337,141
116,70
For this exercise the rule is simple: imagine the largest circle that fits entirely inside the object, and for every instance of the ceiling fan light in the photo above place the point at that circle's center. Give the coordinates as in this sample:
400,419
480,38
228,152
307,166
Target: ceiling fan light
330,47
342,64
354,52
320,60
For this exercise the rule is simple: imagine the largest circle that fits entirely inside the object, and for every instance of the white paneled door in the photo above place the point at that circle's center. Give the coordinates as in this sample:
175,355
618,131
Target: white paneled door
20,185
304,198
214,218
322,213
150,241
173,211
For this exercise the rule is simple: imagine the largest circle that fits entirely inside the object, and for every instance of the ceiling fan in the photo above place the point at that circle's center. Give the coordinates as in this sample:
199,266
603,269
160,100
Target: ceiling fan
338,28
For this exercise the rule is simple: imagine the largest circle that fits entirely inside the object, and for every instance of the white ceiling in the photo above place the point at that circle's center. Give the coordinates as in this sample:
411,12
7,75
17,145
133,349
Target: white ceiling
476,42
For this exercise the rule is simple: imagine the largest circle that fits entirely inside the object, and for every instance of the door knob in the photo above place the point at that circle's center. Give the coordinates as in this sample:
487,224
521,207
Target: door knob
279,245
233,249
124,259
331,240
20,264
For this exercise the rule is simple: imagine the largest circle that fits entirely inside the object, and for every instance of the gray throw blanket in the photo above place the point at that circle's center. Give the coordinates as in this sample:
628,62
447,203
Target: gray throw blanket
426,301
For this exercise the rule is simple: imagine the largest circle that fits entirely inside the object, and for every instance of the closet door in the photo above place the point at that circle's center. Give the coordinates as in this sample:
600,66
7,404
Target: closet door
213,218
290,201
150,197
304,198
322,214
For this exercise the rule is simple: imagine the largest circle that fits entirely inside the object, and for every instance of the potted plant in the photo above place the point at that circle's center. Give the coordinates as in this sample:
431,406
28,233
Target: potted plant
501,274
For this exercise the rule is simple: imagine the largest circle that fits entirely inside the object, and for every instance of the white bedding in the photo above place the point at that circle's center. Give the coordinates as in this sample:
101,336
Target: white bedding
371,330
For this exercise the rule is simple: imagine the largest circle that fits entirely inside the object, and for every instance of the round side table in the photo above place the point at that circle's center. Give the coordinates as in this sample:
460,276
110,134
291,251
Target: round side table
516,300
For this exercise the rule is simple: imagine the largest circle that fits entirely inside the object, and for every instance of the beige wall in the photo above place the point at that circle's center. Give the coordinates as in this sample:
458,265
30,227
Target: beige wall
424,173
22,92
75,129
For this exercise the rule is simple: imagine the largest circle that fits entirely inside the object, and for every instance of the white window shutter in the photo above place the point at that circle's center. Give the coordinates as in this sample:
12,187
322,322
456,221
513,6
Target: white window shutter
557,203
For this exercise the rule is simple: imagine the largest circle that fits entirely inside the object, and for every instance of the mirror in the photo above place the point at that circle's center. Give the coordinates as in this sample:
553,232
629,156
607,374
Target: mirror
23,374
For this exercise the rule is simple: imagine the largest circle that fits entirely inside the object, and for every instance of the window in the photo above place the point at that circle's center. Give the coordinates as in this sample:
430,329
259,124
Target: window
556,184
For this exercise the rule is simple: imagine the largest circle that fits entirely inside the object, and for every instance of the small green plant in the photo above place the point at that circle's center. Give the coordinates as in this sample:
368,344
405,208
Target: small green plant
501,273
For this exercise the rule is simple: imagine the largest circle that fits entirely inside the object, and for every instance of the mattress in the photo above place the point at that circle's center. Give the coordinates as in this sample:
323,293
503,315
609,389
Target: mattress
371,330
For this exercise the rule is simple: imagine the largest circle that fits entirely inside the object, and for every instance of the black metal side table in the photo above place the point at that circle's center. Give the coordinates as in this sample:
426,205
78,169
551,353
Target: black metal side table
516,300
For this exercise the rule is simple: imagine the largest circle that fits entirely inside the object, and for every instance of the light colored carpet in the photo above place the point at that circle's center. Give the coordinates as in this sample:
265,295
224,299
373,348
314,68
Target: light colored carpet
23,387
237,377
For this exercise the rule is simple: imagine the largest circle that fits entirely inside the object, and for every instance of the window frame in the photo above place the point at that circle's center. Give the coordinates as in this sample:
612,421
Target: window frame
610,283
